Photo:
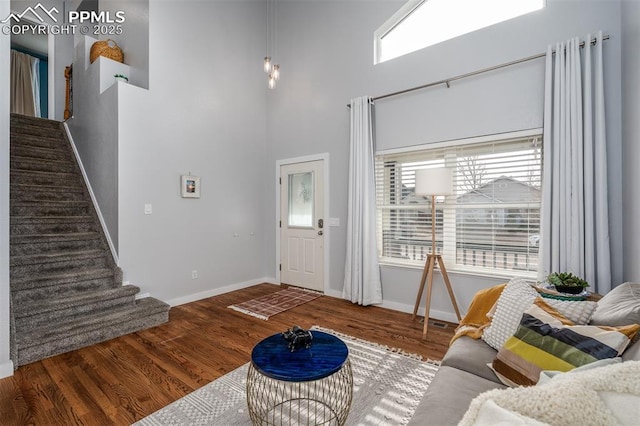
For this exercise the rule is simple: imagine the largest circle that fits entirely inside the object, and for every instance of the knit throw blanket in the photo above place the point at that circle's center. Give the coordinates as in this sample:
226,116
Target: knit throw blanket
606,396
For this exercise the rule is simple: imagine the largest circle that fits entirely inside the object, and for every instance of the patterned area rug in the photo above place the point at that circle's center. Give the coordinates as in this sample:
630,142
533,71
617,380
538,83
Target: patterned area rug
388,385
280,301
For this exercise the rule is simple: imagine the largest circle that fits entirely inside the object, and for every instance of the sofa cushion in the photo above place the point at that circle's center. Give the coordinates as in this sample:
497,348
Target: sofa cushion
515,298
472,356
621,306
545,340
448,397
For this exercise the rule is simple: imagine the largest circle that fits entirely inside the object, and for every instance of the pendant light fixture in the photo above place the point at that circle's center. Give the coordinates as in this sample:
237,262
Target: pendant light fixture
272,69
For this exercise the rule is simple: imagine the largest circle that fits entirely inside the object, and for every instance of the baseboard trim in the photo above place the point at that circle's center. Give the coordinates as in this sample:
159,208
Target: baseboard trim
333,293
6,369
402,307
94,200
218,291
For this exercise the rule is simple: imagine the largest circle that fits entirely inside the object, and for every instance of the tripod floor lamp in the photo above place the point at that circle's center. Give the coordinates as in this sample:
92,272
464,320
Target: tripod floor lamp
433,182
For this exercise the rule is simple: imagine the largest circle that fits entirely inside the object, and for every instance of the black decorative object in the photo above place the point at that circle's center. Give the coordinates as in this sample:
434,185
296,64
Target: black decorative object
297,338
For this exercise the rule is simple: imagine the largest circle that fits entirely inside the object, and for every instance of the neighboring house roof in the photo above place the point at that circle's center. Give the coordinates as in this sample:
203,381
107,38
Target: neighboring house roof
501,190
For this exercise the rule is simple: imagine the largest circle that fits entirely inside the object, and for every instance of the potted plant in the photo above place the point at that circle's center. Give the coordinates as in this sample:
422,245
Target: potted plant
566,282
120,77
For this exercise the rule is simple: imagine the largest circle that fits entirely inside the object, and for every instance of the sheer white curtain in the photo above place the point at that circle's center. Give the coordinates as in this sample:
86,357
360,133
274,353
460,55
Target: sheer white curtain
23,100
362,272
575,220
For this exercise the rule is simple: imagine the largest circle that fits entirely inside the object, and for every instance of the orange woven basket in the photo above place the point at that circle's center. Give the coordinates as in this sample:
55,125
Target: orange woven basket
107,48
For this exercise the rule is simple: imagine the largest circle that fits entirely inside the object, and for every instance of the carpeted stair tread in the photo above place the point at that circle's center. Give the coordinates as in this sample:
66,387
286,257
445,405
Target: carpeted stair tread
56,256
46,193
30,175
45,224
139,317
75,326
38,152
47,238
36,142
52,219
41,164
36,130
49,207
48,280
28,120
42,306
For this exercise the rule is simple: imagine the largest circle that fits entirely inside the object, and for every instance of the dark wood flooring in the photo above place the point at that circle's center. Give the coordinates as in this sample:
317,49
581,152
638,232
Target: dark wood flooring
128,378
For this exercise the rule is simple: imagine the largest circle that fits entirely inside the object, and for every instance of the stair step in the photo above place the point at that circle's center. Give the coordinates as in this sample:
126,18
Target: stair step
57,263
26,192
52,225
42,165
87,330
49,208
44,153
55,257
29,316
20,119
29,129
38,141
23,245
44,178
63,284
54,237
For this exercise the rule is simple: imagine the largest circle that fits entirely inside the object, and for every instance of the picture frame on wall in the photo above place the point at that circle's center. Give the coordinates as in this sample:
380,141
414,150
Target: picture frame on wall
190,186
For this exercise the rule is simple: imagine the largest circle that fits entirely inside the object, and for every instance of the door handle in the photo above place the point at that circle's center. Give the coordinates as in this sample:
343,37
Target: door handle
320,223
321,232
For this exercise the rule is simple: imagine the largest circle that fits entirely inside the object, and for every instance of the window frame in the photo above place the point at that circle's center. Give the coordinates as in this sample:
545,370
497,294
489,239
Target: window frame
412,6
449,222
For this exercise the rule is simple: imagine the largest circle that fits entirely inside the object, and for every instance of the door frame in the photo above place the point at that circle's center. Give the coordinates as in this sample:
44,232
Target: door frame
327,233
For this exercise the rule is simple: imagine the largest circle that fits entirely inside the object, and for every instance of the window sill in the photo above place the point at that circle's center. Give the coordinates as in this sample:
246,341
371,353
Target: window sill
528,276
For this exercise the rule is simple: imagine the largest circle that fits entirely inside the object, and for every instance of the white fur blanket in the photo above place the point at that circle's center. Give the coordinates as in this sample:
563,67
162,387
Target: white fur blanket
604,396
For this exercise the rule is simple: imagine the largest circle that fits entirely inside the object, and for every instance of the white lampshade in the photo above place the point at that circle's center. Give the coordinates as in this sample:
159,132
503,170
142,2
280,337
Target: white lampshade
434,181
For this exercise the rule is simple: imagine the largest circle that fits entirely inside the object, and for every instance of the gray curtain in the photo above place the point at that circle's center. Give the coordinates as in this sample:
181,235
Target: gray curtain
361,271
22,89
575,220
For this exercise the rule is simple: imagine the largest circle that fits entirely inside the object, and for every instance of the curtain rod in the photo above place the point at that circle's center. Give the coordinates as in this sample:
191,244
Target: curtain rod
447,81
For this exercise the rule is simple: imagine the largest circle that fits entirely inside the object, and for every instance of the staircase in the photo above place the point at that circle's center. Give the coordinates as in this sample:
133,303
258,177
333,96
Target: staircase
66,290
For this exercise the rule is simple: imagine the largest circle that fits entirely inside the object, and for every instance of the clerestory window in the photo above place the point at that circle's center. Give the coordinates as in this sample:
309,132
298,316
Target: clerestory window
422,23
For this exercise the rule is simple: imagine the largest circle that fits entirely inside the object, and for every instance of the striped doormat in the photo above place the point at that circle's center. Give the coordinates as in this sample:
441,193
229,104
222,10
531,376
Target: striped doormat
280,301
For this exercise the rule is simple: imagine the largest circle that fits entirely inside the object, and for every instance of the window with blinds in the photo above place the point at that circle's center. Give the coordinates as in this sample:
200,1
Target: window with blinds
490,224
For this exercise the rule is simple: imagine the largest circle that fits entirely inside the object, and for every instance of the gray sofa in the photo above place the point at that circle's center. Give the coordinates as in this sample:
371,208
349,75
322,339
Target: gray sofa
464,373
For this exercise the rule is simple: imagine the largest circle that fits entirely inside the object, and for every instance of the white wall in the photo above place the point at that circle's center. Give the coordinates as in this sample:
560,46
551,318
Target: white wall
94,128
204,114
326,57
631,136
134,40
6,366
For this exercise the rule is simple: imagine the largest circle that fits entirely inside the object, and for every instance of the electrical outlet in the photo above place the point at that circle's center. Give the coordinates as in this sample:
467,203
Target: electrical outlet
194,274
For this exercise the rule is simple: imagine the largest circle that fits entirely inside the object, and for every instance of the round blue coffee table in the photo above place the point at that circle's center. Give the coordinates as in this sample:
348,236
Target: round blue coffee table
311,386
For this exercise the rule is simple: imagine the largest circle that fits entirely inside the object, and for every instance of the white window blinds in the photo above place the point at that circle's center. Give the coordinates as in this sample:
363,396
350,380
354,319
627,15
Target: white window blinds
491,222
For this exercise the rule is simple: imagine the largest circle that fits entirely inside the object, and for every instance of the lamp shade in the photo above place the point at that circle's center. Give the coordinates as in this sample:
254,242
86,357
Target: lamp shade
434,181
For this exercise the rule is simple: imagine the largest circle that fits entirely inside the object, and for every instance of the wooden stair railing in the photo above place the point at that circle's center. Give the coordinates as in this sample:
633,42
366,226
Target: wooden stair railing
68,101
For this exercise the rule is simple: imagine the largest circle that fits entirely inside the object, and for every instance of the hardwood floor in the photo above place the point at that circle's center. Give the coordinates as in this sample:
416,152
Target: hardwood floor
128,378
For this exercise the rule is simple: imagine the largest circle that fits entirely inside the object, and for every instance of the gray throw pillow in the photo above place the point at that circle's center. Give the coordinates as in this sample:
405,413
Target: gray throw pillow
621,306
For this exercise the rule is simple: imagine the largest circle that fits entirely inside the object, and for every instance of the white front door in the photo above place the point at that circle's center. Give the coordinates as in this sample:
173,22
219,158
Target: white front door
302,224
